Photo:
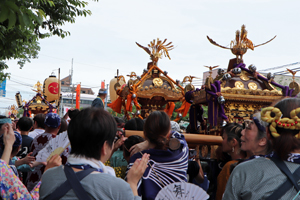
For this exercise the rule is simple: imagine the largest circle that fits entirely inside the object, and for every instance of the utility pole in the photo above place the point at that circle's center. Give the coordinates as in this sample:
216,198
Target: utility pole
59,91
71,84
105,106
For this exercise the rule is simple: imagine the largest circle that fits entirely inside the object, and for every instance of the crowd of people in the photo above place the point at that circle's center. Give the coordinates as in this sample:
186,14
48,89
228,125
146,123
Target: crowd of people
262,157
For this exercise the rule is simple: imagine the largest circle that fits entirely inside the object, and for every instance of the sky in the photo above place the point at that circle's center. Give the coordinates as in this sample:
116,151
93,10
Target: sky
105,41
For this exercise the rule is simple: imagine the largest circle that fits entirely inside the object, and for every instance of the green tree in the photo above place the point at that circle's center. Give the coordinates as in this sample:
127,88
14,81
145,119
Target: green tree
205,111
20,113
115,114
24,22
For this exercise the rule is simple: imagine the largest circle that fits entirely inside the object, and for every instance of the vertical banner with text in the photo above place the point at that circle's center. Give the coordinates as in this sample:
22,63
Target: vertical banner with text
3,88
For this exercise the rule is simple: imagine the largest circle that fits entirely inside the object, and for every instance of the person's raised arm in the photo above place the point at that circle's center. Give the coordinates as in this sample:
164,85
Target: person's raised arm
54,161
8,140
26,160
200,176
139,147
136,172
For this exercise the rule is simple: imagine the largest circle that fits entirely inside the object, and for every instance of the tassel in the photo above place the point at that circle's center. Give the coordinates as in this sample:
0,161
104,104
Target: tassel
128,104
116,105
170,108
184,108
137,105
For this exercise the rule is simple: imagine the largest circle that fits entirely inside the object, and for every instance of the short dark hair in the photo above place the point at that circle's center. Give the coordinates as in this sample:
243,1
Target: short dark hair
135,124
63,125
73,113
40,119
2,117
88,131
120,122
156,128
131,140
25,123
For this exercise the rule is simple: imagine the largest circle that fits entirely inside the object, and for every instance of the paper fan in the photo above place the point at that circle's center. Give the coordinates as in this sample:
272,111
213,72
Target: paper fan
182,190
55,146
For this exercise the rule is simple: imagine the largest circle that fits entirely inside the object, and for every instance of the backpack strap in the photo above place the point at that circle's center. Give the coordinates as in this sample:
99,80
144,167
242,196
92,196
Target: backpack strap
289,183
72,182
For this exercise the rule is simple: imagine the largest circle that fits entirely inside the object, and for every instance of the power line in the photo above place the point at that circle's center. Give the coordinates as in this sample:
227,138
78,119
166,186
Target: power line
25,84
80,63
6,98
12,75
286,72
273,68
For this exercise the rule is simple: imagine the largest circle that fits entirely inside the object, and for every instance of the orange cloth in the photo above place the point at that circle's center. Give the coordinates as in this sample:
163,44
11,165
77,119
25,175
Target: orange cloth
116,105
128,104
223,178
184,108
170,108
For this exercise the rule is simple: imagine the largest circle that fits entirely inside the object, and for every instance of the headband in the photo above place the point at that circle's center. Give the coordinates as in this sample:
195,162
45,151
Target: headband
102,91
258,124
5,120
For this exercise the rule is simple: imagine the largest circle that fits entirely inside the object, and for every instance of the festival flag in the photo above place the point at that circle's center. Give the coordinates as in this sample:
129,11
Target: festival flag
102,84
78,96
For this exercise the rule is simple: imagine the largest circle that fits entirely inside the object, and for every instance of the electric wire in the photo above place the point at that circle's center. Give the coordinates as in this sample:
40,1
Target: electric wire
81,63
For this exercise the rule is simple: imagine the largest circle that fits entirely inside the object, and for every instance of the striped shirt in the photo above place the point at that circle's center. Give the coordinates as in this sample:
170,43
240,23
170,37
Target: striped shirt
167,167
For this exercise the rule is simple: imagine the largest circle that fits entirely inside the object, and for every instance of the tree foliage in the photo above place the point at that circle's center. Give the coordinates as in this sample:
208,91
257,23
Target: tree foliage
24,22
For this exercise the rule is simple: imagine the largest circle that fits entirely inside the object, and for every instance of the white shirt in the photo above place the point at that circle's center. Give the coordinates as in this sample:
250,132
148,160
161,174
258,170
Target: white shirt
92,162
36,132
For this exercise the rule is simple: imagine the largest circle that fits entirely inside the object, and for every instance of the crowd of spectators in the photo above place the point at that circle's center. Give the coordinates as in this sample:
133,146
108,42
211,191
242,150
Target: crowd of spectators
262,162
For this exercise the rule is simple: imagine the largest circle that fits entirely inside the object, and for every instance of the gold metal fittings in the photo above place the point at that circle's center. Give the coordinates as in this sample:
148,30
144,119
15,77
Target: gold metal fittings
157,82
239,84
252,86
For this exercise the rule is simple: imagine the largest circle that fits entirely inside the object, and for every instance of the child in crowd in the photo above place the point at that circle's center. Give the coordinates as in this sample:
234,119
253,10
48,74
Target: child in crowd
24,125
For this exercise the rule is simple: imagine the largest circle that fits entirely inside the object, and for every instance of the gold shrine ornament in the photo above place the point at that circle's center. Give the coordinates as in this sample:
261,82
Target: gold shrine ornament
239,84
157,82
252,86
244,76
294,85
189,87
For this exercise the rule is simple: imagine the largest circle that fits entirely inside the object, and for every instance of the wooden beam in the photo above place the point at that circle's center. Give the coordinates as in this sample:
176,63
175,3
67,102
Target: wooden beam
191,139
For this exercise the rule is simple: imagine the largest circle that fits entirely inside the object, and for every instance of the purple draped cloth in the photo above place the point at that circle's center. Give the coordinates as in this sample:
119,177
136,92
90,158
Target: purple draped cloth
215,109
